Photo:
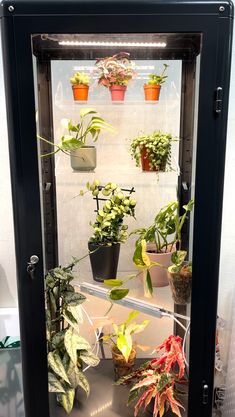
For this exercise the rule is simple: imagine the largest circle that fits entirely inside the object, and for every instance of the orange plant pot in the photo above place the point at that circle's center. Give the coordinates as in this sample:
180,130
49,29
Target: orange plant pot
152,92
80,92
145,162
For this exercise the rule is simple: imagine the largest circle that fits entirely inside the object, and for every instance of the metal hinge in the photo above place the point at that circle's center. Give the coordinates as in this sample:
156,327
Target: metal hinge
218,100
205,394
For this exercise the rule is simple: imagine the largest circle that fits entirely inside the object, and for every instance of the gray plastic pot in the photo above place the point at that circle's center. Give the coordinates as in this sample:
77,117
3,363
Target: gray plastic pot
83,159
104,261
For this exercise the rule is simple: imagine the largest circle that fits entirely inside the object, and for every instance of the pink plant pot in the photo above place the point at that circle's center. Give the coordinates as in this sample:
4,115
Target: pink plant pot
158,275
117,92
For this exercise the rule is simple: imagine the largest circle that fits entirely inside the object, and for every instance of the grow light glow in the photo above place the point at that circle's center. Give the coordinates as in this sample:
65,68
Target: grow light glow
119,44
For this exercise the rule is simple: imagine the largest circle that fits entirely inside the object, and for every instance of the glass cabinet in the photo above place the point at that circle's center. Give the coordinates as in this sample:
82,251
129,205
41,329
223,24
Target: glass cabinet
117,128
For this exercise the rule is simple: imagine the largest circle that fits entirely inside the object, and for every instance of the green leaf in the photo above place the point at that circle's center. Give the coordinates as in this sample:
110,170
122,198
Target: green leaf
85,112
58,339
74,298
149,282
164,380
118,294
74,342
140,258
113,282
69,143
76,311
178,257
124,344
89,358
57,366
148,288
132,316
52,302
59,273
67,399
83,382
54,383
132,396
71,320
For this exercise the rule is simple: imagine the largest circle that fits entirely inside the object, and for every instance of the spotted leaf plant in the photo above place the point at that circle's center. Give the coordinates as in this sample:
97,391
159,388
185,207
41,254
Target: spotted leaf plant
67,349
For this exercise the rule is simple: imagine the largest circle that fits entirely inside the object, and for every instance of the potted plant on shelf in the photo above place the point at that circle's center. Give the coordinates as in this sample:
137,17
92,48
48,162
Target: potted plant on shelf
156,382
161,240
67,349
153,87
80,86
82,156
115,72
108,230
122,346
180,278
153,151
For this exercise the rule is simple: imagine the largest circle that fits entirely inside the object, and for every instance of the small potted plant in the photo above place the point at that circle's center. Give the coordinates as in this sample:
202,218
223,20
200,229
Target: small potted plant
153,151
115,72
153,87
122,346
80,86
156,382
162,238
82,156
180,278
67,349
108,229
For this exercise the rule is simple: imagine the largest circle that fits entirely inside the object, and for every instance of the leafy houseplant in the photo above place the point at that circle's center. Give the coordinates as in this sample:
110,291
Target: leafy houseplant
115,72
83,157
180,277
67,350
160,242
108,230
157,380
80,86
123,350
153,86
153,151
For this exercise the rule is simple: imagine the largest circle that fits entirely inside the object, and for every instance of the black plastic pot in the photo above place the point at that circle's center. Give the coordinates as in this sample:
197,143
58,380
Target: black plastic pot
104,261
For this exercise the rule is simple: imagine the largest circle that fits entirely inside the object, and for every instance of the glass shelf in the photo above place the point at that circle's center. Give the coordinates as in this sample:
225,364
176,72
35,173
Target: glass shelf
160,305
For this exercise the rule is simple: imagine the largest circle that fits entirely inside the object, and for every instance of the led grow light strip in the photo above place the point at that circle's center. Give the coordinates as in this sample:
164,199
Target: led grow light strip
97,43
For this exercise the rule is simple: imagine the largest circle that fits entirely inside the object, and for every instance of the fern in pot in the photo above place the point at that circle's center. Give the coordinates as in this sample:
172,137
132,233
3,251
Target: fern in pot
109,232
153,152
67,349
82,155
162,239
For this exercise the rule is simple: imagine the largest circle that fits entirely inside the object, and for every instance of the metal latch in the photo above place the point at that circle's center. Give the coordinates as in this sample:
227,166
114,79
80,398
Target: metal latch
32,264
205,394
218,100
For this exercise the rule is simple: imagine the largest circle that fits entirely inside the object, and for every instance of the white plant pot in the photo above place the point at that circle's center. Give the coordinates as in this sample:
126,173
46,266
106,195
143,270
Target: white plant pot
158,275
83,159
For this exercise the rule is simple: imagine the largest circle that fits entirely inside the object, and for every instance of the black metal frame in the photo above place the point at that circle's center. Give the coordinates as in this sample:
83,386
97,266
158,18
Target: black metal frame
214,20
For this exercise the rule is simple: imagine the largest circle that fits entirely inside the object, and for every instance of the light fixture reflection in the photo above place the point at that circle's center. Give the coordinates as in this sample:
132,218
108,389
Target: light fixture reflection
101,408
98,43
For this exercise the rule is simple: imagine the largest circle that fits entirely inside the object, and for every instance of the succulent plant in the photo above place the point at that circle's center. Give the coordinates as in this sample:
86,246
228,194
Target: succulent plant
155,79
80,78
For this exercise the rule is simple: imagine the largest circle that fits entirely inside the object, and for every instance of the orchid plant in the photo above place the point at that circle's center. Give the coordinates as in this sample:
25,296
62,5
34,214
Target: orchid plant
115,70
157,380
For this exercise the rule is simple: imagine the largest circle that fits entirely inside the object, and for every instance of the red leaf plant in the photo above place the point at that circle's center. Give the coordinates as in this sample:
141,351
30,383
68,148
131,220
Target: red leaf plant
115,70
156,379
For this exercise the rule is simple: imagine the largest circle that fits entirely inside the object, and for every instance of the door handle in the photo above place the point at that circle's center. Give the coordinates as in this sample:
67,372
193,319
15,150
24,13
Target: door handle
31,265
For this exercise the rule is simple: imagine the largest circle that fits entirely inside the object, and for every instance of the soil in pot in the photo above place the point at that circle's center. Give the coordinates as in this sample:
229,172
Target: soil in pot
181,285
121,367
80,92
145,163
104,261
152,92
117,92
159,275
83,159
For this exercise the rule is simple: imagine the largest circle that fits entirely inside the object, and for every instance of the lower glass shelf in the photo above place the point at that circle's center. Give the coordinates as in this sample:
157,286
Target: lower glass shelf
160,305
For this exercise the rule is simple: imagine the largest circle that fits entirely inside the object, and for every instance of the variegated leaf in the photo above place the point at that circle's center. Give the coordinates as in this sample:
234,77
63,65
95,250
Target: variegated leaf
89,358
73,342
67,399
54,384
57,366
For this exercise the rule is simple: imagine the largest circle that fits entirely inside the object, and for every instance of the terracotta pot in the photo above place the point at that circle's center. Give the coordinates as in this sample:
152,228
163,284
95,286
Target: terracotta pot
181,285
80,92
146,165
121,367
159,275
83,159
152,92
117,92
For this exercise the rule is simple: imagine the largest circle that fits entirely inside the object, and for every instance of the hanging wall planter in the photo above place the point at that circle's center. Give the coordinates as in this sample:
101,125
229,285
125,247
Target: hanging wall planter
114,73
117,92
104,261
80,86
153,87
83,159
153,152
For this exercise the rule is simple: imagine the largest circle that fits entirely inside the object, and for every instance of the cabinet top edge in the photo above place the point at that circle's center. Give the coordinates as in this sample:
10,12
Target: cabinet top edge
222,8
